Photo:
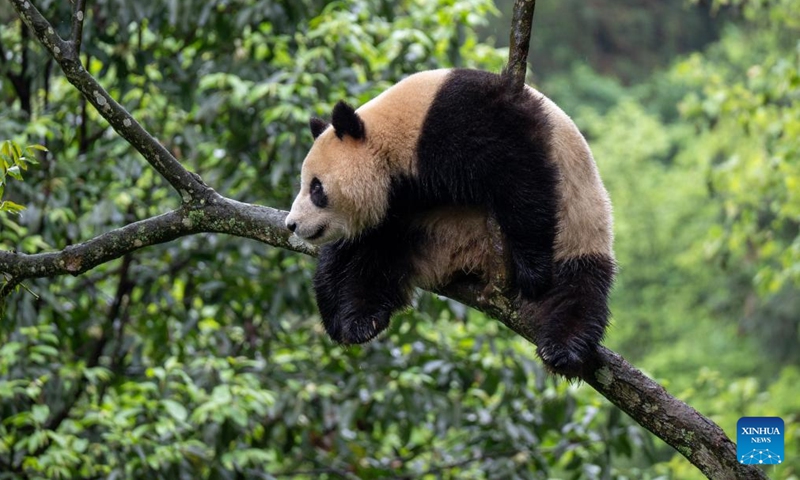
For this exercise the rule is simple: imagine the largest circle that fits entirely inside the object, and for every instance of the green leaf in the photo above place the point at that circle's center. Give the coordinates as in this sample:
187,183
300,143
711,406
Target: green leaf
175,409
36,440
14,172
11,207
79,445
39,413
46,350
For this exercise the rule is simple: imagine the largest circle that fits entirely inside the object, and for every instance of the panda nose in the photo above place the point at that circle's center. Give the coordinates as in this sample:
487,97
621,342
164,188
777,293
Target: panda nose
291,226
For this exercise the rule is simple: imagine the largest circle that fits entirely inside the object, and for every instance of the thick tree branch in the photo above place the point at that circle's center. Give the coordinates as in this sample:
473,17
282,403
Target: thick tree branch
696,437
65,53
219,215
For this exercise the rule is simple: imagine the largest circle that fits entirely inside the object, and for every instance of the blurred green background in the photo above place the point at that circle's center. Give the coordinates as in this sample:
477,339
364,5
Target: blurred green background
204,358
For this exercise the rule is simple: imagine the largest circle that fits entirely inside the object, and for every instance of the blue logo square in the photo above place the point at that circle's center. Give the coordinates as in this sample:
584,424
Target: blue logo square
759,440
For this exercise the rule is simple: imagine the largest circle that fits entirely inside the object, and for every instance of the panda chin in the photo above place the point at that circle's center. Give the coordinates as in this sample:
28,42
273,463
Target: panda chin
321,236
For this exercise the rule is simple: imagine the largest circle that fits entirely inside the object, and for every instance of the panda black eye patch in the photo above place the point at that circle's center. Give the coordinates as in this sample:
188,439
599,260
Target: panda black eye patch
318,197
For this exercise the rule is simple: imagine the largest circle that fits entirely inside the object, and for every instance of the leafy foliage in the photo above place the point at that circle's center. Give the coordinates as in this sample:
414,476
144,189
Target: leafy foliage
13,161
748,113
203,358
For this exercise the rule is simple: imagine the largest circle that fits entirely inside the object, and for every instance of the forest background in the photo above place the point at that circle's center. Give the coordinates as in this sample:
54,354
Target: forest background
203,357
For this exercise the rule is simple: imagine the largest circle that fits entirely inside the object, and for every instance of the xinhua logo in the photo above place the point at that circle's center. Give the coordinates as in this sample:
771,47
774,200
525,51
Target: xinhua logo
759,440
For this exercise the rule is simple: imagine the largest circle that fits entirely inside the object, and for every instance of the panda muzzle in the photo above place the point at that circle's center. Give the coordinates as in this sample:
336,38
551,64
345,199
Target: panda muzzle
302,233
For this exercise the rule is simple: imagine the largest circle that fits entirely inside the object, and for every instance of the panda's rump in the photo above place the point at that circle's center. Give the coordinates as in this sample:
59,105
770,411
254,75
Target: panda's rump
584,214
453,240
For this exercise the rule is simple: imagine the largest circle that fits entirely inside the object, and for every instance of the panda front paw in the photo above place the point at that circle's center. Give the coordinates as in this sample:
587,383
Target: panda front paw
361,330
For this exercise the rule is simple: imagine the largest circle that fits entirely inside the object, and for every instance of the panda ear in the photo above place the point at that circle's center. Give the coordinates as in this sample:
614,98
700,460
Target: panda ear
317,126
347,122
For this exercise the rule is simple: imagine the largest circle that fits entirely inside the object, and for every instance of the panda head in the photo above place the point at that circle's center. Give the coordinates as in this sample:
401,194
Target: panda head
344,189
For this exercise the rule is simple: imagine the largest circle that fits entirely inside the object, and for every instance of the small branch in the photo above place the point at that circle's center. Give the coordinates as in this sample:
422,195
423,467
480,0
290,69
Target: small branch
519,40
2,53
9,284
78,14
189,185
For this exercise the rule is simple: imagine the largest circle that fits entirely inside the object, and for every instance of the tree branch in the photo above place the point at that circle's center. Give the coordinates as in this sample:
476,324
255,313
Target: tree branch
696,437
519,40
78,13
220,215
65,53
700,440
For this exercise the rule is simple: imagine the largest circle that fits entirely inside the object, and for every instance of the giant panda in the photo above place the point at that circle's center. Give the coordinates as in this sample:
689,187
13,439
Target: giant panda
400,193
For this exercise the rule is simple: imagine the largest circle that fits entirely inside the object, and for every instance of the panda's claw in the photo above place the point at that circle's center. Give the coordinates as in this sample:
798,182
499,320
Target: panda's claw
570,361
359,330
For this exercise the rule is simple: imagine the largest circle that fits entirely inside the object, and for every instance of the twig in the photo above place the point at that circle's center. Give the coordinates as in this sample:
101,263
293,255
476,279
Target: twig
9,285
78,14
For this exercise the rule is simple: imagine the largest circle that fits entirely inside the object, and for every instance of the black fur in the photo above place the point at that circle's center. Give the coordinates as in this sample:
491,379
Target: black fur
482,144
359,284
572,319
346,121
317,126
317,193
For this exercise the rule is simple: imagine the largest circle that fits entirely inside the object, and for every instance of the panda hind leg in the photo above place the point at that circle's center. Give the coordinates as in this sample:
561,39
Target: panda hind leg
572,316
